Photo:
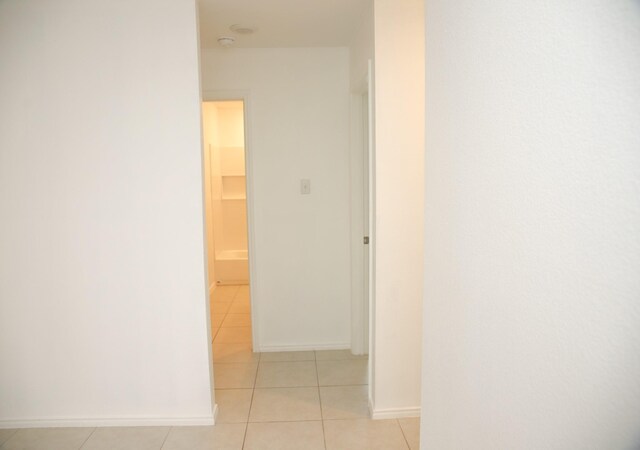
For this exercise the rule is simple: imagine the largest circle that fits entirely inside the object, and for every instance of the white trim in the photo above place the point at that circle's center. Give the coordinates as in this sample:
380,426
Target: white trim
306,347
394,413
215,413
109,422
372,228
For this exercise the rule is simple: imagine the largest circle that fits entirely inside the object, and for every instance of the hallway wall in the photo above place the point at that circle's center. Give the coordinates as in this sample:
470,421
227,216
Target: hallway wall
103,301
298,118
532,302
399,181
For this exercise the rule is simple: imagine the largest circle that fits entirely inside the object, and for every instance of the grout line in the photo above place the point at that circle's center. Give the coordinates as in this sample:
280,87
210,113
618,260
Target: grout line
164,441
10,436
403,434
324,439
292,421
255,380
246,425
85,441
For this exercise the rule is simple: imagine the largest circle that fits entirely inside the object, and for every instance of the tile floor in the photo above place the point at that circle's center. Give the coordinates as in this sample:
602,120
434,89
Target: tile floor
287,400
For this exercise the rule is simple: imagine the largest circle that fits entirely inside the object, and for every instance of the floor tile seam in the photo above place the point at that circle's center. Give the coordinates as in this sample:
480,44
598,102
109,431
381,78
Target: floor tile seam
403,434
15,430
284,421
219,328
88,437
166,436
286,387
246,424
324,439
246,429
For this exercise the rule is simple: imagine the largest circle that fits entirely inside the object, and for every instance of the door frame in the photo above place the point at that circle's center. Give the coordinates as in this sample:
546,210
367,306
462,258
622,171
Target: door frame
244,96
362,202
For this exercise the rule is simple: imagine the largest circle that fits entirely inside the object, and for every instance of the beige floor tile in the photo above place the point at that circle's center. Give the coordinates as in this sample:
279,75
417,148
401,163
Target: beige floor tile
234,335
344,402
233,405
227,353
237,320
287,374
337,355
364,434
285,405
411,429
342,373
5,434
240,299
224,293
216,319
242,293
127,438
214,333
240,308
234,375
48,439
287,356
285,436
227,436
219,307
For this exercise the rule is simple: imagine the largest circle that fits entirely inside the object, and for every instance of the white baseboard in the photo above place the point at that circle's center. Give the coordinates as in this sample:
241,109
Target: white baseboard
393,413
109,422
302,348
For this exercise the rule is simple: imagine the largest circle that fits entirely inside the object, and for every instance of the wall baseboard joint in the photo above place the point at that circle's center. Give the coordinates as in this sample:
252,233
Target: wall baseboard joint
393,413
302,348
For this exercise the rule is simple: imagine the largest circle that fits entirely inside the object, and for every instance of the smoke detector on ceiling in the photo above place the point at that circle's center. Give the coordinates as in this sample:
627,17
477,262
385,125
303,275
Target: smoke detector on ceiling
226,41
242,29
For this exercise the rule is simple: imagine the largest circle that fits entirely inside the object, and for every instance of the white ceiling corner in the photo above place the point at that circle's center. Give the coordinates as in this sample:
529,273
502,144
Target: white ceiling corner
281,23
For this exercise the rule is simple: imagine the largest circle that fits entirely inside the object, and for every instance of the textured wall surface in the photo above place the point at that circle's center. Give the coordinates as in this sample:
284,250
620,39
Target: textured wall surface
532,289
103,306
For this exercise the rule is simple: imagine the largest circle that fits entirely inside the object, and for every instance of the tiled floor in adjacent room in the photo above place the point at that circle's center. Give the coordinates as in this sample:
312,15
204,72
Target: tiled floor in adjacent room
267,401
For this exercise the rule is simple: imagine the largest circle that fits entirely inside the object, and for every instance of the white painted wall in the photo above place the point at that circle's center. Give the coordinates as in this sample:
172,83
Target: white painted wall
399,134
103,311
298,113
532,301
361,49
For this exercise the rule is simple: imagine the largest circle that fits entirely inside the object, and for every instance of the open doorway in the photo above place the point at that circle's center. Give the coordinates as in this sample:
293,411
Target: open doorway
226,222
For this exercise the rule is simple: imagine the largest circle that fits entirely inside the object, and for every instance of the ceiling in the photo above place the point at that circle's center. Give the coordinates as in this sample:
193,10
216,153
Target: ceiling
281,23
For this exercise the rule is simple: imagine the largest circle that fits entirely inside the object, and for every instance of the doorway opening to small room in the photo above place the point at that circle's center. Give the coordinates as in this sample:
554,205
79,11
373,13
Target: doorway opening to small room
225,177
